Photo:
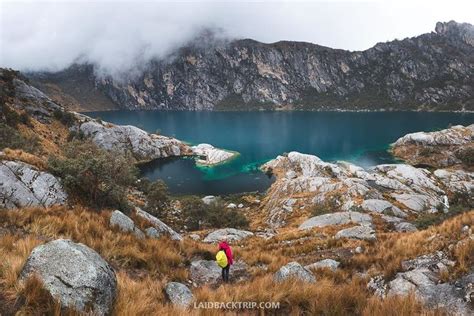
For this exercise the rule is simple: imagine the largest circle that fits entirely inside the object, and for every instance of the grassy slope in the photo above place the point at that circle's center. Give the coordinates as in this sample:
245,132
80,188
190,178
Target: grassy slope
145,265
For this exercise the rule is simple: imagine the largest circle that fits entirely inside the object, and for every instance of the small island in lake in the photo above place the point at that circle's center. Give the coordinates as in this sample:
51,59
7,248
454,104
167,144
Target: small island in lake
209,155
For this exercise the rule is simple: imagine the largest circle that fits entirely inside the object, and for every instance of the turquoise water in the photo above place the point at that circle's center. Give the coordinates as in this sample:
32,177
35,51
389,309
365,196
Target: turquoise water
362,138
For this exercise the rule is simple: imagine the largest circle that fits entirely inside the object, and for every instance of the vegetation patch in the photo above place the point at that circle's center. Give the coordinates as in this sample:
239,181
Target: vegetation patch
466,155
97,177
198,215
157,196
65,117
11,138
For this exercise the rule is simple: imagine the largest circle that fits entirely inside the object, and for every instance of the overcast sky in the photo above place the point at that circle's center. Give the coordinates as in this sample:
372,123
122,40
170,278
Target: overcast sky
50,35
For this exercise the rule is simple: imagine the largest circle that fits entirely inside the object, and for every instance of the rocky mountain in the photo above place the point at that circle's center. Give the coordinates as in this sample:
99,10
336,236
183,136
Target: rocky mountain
433,71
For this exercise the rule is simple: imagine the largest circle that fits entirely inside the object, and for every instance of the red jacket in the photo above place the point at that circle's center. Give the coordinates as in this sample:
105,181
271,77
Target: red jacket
228,252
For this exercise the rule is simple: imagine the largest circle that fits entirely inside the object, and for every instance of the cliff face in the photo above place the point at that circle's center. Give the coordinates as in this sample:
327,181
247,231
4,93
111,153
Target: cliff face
433,71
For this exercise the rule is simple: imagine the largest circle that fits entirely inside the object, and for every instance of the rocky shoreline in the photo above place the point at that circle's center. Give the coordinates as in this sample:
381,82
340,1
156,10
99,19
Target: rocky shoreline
399,190
445,148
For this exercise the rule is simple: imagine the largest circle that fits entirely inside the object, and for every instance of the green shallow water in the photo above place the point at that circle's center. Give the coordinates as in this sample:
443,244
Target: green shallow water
362,138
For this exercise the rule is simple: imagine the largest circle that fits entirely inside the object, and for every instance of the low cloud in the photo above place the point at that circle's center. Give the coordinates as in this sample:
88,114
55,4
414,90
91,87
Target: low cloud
120,37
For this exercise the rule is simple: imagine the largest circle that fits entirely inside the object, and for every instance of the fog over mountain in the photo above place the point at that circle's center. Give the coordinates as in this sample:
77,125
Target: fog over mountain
119,37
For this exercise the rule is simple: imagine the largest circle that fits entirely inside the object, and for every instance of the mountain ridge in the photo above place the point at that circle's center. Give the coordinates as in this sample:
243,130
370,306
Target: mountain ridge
433,71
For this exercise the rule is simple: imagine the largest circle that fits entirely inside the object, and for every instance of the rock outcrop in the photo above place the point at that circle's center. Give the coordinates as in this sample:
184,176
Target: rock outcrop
125,223
23,185
392,189
160,227
399,224
209,199
208,272
230,234
26,97
338,218
132,140
421,276
357,232
294,270
449,147
432,71
179,294
381,206
208,155
74,274
325,263
457,180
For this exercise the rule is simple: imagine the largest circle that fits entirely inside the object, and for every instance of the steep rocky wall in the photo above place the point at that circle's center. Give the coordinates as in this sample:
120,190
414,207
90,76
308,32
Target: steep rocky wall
433,71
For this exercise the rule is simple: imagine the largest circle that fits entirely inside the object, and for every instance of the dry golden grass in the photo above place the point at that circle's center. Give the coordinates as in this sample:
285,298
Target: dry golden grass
51,136
139,297
398,306
158,257
144,266
14,251
325,297
18,154
36,300
386,255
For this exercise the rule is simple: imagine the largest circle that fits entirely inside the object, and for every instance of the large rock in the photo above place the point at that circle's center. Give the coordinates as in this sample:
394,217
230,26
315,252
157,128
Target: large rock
131,139
436,149
179,294
338,218
357,232
381,206
399,224
424,284
161,228
125,223
456,135
231,234
325,263
23,185
209,155
405,227
417,179
74,274
294,270
32,100
419,203
209,199
421,276
457,181
437,260
208,272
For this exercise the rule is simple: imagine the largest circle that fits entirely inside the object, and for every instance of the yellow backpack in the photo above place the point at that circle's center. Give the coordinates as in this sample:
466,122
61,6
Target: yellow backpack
221,259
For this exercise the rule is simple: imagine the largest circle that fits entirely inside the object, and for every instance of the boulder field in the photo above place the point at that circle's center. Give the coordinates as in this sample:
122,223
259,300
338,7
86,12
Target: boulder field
421,276
394,190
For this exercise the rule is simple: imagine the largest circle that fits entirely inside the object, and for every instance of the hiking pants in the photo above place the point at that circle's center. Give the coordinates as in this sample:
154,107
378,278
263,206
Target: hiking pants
225,273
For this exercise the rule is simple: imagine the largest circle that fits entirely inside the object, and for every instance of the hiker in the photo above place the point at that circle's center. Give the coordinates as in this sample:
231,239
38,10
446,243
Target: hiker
224,258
